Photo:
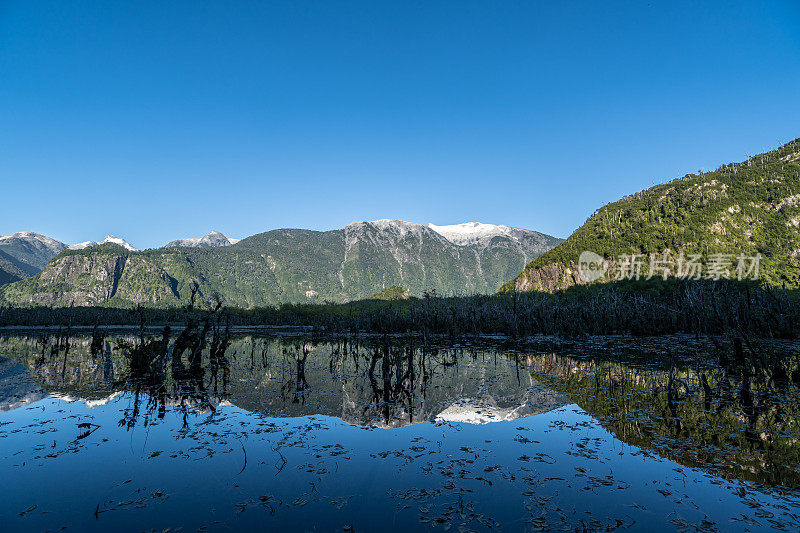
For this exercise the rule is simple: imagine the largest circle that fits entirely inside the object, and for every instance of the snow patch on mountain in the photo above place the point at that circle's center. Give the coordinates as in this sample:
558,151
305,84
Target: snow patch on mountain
121,242
82,245
473,232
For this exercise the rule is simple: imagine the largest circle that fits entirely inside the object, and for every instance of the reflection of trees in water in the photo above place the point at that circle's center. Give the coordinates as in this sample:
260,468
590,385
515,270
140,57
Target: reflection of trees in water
191,372
176,374
295,383
377,377
739,418
384,381
397,384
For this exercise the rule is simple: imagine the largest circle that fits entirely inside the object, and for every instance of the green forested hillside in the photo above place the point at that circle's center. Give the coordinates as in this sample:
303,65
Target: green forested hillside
281,266
749,208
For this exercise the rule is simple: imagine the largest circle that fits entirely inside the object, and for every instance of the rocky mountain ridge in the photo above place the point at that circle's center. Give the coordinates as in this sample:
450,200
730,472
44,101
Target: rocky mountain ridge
209,240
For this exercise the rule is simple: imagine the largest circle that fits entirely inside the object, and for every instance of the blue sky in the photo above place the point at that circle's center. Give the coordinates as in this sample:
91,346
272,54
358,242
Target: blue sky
167,120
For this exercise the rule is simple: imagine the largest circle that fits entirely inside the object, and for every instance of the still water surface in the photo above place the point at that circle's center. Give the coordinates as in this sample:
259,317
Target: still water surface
114,431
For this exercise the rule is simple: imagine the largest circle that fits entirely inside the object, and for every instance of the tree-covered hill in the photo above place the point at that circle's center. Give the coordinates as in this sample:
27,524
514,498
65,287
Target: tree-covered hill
282,266
740,209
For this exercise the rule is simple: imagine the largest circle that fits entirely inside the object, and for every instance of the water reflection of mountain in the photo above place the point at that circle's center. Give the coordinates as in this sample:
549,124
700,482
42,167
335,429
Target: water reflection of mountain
385,384
738,425
17,387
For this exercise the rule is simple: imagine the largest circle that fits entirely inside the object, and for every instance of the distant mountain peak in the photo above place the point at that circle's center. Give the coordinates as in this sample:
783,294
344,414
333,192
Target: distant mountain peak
212,239
394,222
387,224
32,236
121,242
31,250
108,239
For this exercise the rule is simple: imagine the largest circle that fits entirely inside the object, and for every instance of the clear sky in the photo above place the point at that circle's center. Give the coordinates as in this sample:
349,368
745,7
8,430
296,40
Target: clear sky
167,120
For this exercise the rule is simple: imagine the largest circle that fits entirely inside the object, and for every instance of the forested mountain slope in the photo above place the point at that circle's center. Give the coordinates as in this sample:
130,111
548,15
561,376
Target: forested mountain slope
746,208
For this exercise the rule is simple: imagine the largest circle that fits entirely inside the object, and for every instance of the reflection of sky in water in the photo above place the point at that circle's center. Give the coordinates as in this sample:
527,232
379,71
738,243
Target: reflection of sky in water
257,446
559,468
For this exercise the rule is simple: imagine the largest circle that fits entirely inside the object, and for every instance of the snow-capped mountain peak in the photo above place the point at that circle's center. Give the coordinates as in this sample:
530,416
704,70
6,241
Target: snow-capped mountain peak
121,242
34,238
471,232
32,250
210,240
108,239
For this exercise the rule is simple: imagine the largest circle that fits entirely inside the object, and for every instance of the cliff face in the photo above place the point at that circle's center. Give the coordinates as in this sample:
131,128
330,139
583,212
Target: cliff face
82,280
550,277
283,266
86,280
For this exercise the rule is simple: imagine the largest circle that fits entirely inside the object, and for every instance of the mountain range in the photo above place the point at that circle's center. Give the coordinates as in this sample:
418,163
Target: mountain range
26,253
286,266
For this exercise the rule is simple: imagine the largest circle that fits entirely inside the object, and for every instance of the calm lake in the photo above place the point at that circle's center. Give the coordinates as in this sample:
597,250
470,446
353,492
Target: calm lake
113,431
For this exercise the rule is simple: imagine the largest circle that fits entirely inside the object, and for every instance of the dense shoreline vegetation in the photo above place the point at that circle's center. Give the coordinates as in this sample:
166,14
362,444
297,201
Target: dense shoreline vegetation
652,307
